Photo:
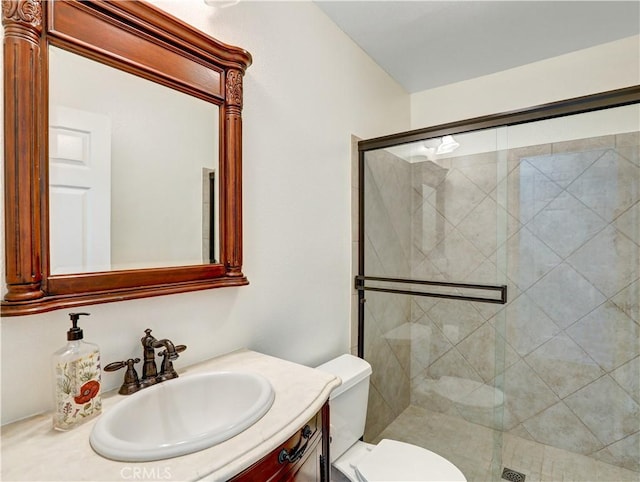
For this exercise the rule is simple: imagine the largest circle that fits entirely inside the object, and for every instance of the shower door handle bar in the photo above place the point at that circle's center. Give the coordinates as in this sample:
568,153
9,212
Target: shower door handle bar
502,289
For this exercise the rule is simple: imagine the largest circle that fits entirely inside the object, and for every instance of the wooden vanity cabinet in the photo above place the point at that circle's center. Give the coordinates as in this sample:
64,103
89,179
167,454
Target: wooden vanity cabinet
304,457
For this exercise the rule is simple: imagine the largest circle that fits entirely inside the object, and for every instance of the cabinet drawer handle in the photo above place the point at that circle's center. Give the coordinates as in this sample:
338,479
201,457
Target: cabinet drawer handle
298,451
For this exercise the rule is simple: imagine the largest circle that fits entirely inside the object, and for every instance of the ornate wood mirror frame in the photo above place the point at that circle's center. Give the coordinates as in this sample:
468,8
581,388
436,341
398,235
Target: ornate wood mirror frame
140,39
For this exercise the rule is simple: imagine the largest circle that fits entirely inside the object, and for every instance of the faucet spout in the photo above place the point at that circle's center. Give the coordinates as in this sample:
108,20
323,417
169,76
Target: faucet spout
170,352
168,345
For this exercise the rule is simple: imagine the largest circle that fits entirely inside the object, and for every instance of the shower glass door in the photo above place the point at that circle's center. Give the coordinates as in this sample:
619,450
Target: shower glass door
539,378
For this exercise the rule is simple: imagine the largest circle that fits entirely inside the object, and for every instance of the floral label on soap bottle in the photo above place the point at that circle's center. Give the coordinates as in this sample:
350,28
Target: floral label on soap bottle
77,391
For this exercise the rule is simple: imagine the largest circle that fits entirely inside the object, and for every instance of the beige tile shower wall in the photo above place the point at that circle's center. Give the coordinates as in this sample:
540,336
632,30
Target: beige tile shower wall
564,352
387,247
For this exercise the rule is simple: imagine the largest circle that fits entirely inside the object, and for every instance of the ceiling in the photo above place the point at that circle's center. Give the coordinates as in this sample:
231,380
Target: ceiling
425,44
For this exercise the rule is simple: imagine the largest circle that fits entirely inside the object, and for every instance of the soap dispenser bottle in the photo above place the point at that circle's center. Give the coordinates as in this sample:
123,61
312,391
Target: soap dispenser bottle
76,379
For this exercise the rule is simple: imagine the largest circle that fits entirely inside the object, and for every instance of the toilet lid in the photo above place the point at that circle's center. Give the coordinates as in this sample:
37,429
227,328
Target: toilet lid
391,460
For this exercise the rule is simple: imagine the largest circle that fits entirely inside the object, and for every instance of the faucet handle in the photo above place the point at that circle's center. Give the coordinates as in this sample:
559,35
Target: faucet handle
178,349
131,382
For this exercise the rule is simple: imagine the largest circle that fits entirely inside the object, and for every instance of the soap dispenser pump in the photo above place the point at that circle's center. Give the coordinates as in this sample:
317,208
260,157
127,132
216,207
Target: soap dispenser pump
76,379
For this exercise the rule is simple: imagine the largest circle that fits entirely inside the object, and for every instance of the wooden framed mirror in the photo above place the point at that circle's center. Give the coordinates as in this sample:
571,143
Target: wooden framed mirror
67,248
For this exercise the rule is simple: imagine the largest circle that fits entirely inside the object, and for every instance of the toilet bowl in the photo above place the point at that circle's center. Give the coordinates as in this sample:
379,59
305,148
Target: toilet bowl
389,460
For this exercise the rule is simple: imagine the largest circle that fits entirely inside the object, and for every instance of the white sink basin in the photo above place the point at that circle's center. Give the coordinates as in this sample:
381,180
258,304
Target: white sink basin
181,416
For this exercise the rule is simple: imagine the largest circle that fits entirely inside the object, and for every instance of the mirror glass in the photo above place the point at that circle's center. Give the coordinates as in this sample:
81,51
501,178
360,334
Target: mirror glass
133,169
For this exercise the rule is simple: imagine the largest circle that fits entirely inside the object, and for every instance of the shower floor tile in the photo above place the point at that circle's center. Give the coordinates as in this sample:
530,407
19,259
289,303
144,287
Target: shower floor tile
480,452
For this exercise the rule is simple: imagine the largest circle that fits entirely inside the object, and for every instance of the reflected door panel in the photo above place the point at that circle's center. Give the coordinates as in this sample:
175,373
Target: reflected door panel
80,191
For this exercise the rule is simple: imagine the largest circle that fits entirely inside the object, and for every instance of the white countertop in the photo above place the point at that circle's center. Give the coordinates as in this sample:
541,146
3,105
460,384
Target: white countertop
32,450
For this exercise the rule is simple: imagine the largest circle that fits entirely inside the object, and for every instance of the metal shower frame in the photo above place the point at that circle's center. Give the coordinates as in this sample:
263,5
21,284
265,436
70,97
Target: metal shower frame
578,105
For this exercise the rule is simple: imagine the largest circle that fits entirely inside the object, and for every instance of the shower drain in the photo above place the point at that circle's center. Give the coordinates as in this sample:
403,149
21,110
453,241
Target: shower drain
512,475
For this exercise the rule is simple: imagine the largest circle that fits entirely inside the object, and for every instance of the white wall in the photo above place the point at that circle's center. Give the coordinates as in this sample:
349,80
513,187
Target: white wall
605,67
308,90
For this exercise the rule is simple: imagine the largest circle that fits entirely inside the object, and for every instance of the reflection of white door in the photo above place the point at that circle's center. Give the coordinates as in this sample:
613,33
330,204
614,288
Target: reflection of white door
79,191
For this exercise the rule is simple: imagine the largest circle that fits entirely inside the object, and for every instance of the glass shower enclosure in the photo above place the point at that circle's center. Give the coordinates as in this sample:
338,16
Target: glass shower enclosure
498,290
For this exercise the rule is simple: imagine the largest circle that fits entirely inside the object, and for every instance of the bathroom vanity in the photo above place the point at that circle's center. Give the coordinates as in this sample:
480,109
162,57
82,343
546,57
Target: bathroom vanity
290,442
304,457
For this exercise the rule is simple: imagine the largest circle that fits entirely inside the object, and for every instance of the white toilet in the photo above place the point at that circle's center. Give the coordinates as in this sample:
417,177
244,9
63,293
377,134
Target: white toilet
388,461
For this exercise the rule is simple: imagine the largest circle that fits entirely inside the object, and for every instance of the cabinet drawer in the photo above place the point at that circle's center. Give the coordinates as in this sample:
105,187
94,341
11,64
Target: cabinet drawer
286,460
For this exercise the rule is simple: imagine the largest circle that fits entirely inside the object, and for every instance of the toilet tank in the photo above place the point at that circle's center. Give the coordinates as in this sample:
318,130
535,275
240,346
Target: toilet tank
348,402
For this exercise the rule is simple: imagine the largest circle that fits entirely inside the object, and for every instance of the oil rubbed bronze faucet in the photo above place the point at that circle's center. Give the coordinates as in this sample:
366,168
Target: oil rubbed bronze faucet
150,374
